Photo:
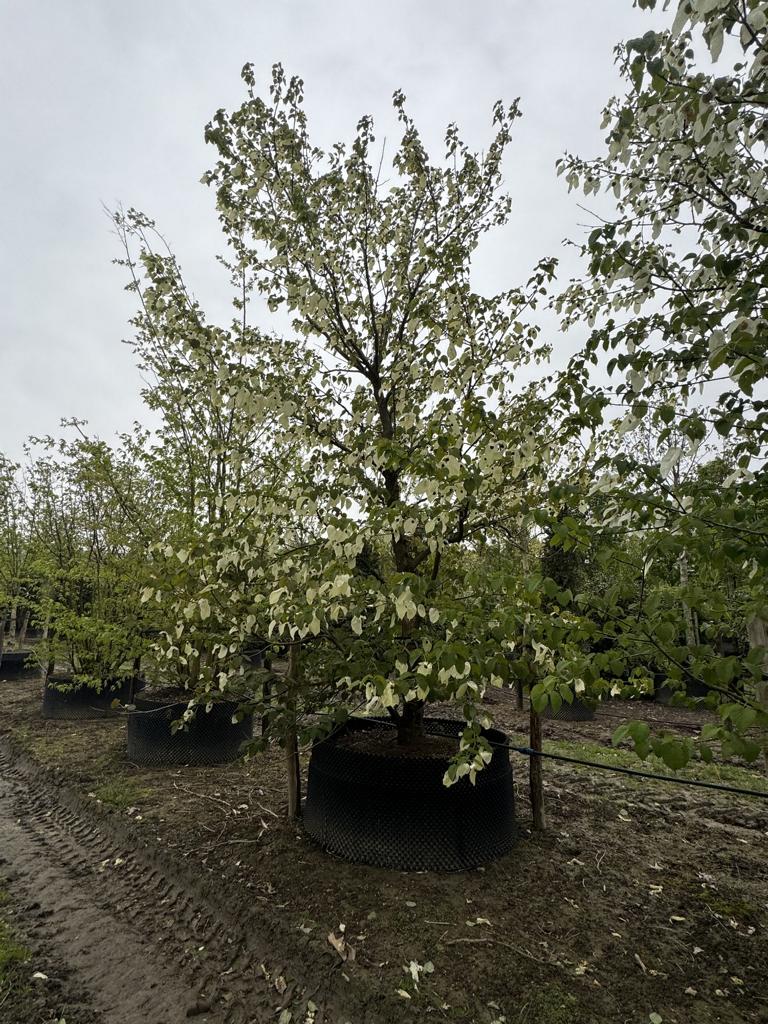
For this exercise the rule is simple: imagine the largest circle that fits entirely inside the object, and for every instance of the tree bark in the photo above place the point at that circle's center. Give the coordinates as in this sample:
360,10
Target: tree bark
691,631
410,725
535,773
266,692
44,645
135,676
12,627
51,665
757,631
519,692
23,627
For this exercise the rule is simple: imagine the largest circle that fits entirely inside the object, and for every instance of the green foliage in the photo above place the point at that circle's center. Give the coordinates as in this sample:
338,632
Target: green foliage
18,597
377,495
675,297
87,556
411,439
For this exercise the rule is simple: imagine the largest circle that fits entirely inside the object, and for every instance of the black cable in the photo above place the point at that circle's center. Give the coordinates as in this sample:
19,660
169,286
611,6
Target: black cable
600,712
530,752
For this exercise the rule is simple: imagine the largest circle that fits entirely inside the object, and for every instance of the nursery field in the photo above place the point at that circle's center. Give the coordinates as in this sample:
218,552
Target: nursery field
177,894
406,658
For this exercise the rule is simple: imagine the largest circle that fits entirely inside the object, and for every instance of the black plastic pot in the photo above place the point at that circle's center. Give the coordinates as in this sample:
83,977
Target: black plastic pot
85,701
577,711
209,738
663,693
395,812
13,663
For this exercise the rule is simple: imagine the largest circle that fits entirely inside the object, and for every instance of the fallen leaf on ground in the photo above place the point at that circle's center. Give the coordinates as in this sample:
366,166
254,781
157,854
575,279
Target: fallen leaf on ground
345,951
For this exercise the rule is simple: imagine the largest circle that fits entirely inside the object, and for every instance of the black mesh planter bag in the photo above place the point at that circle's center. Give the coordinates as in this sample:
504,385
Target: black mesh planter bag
85,701
577,711
665,694
14,663
209,738
395,812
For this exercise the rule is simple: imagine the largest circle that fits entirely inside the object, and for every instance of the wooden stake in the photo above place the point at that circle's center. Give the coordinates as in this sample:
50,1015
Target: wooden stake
266,693
293,773
535,773
293,776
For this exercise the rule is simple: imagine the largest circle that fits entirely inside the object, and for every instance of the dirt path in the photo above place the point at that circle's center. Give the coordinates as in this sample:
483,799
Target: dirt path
136,943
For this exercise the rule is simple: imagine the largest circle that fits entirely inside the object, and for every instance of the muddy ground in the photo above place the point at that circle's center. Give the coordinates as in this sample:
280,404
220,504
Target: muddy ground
184,894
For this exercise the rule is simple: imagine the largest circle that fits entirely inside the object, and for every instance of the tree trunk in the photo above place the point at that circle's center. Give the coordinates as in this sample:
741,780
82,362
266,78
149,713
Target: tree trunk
293,773
535,772
51,666
519,691
12,627
410,725
690,628
135,677
757,631
23,628
266,693
2,636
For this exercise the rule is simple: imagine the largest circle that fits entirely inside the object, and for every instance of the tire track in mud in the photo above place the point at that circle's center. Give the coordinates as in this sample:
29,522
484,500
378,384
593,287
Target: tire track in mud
147,951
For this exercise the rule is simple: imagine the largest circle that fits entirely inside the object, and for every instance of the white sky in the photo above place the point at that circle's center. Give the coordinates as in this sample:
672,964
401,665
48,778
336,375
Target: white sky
105,101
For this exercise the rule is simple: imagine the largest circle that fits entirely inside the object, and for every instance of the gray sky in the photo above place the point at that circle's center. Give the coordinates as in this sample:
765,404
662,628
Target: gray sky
104,101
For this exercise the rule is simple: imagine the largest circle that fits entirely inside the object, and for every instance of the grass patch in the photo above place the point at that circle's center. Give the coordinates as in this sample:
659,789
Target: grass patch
11,952
621,757
550,1005
17,999
121,793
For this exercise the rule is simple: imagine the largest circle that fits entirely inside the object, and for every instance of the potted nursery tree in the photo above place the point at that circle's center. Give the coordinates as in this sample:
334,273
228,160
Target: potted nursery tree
87,555
211,448
416,442
17,591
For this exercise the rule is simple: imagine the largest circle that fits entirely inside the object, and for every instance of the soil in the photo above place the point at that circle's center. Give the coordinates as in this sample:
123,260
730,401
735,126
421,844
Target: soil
36,986
96,907
640,898
384,742
166,695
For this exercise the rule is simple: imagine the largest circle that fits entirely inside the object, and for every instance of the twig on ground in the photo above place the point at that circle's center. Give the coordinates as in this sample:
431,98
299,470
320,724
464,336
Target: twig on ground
268,810
204,796
506,945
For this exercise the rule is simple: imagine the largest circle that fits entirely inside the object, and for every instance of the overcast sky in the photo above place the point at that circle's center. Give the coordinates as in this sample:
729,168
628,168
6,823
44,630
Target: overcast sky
105,101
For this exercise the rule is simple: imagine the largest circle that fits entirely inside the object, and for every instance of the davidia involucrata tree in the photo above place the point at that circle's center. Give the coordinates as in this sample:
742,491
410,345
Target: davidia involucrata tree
414,438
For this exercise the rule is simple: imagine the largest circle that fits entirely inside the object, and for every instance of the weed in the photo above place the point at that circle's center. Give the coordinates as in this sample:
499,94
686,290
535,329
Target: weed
550,1005
121,793
726,774
11,953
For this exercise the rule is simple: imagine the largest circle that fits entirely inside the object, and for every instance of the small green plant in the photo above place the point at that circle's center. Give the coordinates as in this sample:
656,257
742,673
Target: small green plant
550,1005
121,793
11,952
